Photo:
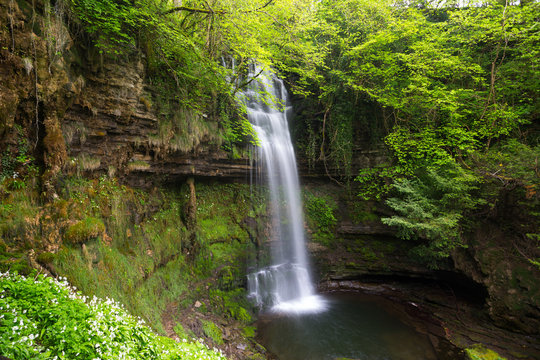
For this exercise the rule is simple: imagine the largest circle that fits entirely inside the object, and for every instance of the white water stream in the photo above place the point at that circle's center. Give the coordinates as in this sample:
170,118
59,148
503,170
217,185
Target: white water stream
286,284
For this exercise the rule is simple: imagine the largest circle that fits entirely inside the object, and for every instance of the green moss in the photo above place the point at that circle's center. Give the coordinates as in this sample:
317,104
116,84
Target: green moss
221,228
84,230
233,303
249,331
183,333
362,211
212,331
15,263
18,212
45,258
480,352
368,253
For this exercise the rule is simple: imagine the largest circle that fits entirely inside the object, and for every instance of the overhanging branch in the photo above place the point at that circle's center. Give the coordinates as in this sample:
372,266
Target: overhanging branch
211,11
192,10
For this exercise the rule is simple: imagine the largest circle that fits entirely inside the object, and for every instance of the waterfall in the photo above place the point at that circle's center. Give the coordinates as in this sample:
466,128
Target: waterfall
286,284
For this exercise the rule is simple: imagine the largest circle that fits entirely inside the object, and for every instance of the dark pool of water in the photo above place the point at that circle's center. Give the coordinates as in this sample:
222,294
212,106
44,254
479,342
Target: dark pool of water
353,327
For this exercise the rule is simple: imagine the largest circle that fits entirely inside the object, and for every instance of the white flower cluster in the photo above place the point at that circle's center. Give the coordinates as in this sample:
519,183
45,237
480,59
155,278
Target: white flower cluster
108,329
20,330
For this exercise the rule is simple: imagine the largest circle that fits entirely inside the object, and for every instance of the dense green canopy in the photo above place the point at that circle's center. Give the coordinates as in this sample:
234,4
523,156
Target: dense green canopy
455,86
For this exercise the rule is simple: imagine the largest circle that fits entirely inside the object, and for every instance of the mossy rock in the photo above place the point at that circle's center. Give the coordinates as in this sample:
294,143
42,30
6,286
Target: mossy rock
46,258
480,352
84,230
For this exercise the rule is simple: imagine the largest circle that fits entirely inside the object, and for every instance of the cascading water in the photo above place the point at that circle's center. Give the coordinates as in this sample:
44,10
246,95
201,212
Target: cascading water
286,284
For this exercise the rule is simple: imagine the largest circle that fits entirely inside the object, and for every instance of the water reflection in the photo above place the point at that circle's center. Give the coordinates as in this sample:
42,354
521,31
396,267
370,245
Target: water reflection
353,327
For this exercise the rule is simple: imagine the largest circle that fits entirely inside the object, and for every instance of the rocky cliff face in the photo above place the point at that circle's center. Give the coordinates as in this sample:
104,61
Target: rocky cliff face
81,113
113,128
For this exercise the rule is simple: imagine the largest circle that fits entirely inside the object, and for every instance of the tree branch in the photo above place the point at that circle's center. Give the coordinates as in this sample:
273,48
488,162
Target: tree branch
246,83
262,7
192,10
210,10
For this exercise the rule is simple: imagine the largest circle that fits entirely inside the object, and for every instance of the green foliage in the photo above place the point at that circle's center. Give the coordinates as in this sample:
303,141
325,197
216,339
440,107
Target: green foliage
430,207
236,127
44,318
84,230
446,82
184,47
319,212
112,23
510,161
449,84
212,331
435,75
375,182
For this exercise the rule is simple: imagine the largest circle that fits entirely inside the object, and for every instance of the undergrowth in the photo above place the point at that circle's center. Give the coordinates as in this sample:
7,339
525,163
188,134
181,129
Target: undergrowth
44,318
110,240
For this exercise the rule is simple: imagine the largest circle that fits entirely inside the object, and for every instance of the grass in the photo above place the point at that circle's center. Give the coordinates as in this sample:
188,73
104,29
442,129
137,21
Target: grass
88,163
138,165
184,130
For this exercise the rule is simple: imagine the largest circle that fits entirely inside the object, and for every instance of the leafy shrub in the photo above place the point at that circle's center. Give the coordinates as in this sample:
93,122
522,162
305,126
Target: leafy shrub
320,210
84,230
431,207
43,318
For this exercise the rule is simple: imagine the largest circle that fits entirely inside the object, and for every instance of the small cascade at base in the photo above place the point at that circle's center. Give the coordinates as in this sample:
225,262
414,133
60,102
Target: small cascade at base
286,284
266,287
